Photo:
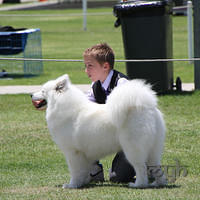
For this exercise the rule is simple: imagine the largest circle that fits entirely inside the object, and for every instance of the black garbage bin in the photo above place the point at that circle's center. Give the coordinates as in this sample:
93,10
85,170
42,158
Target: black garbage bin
147,34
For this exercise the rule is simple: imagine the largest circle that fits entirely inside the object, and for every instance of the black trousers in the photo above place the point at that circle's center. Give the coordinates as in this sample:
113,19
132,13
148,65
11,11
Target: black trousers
121,171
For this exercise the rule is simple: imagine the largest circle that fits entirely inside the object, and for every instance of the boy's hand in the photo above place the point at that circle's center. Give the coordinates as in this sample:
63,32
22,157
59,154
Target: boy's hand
99,92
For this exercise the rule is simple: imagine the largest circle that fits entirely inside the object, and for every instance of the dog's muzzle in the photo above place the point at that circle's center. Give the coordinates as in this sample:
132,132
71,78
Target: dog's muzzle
39,104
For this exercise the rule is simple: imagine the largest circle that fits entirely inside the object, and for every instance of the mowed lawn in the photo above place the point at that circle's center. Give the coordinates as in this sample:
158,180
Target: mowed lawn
32,167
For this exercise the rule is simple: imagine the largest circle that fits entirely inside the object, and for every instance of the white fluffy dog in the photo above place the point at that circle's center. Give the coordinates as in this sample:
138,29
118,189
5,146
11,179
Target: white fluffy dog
85,131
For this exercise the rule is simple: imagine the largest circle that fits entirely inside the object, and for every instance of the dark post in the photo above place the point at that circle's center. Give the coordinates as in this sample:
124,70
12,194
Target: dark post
196,8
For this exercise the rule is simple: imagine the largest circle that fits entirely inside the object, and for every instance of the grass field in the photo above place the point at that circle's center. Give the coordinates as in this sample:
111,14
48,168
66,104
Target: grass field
63,38
32,167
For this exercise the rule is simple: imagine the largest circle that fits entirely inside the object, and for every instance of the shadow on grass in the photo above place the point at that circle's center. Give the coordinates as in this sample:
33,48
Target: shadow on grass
122,185
110,184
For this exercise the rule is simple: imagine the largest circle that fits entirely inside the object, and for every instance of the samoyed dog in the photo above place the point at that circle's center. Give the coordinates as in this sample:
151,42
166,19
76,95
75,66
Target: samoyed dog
86,131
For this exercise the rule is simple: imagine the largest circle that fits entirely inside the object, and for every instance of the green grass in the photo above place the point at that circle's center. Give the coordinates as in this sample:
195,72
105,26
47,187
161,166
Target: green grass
63,38
32,167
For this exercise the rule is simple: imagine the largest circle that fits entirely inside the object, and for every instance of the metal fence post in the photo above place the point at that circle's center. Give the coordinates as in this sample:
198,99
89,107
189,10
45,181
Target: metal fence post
84,4
190,31
196,7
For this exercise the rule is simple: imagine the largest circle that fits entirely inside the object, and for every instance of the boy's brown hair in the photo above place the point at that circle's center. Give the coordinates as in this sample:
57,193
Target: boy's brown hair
102,53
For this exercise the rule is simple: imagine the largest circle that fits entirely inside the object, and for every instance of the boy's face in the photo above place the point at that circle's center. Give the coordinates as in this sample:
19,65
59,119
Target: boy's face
95,70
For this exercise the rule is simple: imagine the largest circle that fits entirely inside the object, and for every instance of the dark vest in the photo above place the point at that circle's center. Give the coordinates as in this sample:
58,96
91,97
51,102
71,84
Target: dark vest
100,94
113,83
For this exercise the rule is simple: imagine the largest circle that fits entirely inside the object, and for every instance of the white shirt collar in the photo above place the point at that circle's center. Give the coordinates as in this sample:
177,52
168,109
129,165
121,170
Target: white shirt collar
106,83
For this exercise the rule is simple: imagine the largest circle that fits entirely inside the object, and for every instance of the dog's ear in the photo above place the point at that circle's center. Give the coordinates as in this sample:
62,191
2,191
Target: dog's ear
63,83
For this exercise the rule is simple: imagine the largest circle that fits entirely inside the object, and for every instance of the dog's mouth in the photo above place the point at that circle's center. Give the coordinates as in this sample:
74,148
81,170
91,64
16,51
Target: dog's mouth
39,104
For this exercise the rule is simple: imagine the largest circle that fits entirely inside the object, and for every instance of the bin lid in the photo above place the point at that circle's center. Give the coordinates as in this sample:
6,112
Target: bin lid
142,8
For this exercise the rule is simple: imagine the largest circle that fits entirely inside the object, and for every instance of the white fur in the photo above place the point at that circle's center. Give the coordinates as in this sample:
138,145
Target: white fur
86,131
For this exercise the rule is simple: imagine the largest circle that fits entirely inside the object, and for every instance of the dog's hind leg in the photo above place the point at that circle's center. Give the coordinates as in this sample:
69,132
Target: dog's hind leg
157,173
141,176
155,154
138,162
79,168
154,169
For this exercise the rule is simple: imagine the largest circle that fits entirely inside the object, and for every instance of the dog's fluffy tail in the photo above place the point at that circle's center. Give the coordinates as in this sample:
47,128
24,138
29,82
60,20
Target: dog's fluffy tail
133,95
